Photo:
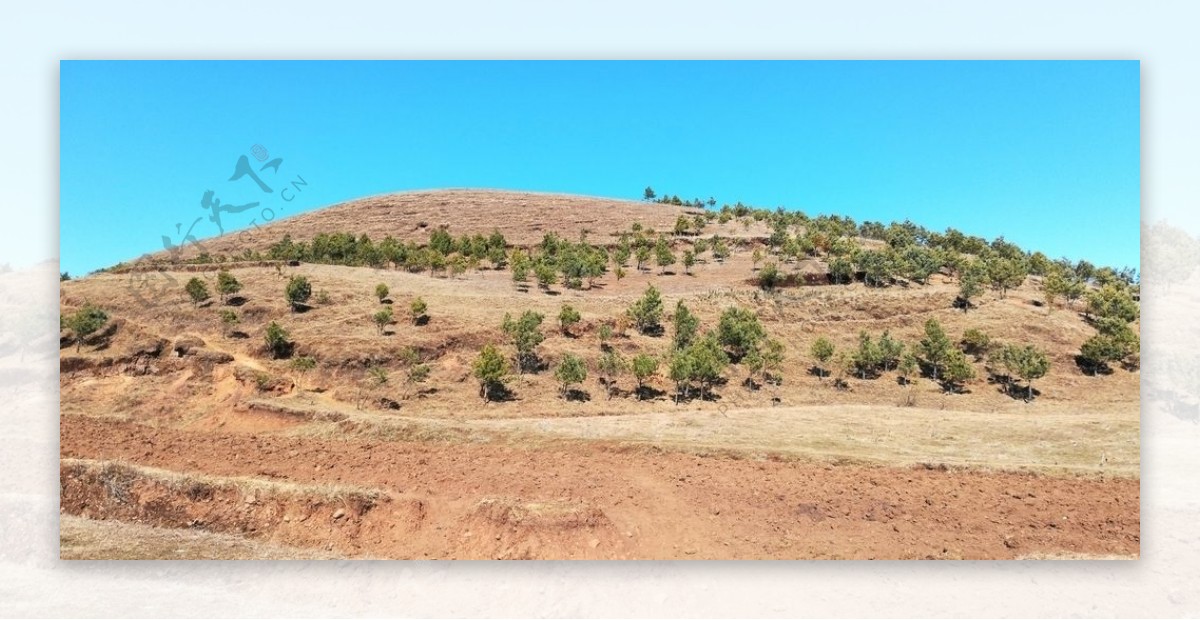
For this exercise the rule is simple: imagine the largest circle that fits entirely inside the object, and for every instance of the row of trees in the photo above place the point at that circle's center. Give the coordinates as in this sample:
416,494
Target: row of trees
936,355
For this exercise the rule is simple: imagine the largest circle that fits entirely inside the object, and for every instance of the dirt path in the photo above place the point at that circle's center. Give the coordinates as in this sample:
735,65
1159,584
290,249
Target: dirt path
486,500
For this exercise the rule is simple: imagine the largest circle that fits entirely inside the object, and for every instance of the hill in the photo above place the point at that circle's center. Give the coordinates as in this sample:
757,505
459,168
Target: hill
170,416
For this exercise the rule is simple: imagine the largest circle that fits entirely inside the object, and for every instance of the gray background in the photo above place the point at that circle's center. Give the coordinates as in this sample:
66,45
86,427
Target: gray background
34,37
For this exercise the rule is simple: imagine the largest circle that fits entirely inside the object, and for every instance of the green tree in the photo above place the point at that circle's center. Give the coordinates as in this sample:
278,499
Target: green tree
642,254
648,193
822,349
707,362
571,370
890,351
643,366
197,290
739,330
545,274
908,368
1006,273
936,347
227,284
841,270
1026,362
277,340
867,357
604,333
876,267
567,317
526,335
491,370
970,283
382,319
689,260
85,322
297,292
663,255
1112,301
646,313
381,291
680,371
686,326
417,310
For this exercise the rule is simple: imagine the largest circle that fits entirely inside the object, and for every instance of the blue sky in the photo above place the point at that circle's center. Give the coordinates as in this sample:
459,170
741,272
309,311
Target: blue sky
1044,153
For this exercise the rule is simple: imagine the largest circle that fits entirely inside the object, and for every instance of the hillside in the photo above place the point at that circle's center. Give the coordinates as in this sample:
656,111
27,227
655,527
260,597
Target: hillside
171,418
522,217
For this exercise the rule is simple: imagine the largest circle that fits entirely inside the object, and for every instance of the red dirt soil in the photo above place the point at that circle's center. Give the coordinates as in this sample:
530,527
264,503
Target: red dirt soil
593,501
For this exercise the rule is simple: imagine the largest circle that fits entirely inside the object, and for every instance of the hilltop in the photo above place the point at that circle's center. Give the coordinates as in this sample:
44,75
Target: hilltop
165,397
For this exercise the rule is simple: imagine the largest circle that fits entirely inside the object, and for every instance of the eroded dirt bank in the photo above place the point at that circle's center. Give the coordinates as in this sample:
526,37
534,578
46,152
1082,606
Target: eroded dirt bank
487,501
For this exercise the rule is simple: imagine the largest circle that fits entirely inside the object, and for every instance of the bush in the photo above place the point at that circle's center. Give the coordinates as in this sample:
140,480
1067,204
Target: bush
277,340
85,322
822,349
417,310
381,291
567,317
297,292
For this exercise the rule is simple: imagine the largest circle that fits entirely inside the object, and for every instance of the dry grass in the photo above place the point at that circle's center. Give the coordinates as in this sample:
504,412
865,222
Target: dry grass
118,475
85,539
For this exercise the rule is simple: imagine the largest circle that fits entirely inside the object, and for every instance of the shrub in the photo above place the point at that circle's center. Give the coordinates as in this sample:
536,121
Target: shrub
417,310
382,319
297,292
277,340
85,322
381,291
567,317
822,349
